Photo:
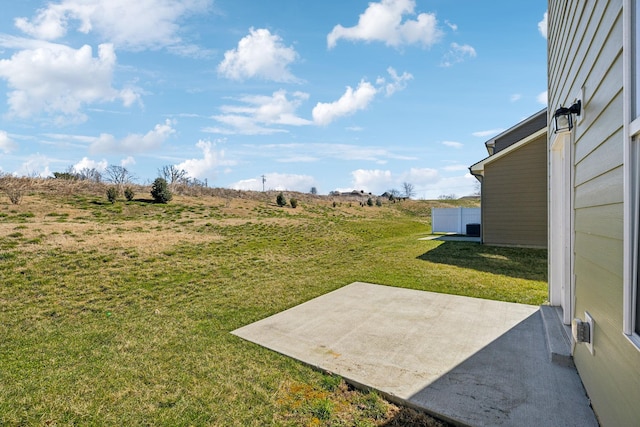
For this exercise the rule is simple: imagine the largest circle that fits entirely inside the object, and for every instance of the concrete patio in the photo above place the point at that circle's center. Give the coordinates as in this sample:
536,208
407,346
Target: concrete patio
465,360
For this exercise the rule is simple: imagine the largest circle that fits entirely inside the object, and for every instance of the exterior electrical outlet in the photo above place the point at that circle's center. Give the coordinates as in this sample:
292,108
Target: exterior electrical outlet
580,331
589,321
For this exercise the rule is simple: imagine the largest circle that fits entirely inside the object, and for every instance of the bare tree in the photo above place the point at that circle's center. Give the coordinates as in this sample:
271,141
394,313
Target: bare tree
477,189
409,190
118,175
84,174
172,174
89,174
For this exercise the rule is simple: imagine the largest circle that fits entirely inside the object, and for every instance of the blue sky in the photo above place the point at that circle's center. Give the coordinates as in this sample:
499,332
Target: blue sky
337,95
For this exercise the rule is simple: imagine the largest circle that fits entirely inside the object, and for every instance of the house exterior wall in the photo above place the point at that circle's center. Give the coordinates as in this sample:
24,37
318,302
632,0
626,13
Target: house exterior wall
514,197
585,41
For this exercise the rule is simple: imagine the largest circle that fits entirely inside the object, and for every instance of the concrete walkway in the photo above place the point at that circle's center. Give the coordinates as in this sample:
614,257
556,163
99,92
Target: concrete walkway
465,360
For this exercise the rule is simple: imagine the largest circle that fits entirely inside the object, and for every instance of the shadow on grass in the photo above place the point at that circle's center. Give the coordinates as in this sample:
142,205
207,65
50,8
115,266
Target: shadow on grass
137,200
523,263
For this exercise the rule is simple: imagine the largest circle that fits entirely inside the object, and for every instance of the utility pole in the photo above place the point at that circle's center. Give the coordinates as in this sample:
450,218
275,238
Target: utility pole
264,179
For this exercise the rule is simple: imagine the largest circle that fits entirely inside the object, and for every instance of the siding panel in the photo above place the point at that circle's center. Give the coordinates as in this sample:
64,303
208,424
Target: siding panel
604,221
602,190
606,253
607,125
605,158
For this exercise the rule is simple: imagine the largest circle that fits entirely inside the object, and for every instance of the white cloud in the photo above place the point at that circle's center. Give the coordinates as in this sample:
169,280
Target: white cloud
515,97
60,80
7,145
265,115
461,185
136,25
543,98
133,143
453,144
205,166
127,161
378,181
36,165
486,133
191,51
458,53
260,113
455,168
451,25
420,177
87,163
251,184
277,182
353,100
259,55
13,42
375,181
350,102
308,152
293,158
542,26
427,182
383,22
398,82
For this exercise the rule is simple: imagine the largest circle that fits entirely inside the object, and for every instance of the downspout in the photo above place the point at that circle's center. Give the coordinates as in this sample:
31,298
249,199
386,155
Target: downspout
480,178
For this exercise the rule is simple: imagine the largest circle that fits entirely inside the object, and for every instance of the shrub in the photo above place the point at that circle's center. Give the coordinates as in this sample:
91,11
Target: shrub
378,202
15,194
128,193
369,202
65,175
294,203
14,187
112,194
281,200
160,191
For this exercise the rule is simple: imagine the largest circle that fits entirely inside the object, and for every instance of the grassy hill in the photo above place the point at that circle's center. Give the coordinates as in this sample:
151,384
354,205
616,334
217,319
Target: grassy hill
120,313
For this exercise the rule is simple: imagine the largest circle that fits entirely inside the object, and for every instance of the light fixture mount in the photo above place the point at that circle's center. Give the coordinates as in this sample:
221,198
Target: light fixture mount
563,117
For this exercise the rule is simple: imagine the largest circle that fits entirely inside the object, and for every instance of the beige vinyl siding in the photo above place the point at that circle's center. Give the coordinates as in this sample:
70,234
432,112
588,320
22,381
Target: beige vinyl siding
514,199
585,52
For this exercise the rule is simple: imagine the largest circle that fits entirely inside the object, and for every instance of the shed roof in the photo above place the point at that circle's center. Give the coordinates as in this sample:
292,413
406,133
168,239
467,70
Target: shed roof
513,138
516,133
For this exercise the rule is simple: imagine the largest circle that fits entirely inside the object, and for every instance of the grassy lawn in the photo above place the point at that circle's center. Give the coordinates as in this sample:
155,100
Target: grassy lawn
120,314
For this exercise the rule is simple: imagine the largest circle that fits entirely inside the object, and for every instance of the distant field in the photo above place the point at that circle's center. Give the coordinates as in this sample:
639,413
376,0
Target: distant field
119,314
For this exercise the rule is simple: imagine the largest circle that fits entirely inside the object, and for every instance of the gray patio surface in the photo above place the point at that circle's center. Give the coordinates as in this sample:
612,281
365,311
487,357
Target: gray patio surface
465,360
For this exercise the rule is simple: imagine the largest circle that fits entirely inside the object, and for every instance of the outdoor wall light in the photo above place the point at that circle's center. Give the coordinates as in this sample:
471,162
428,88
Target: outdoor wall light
563,116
